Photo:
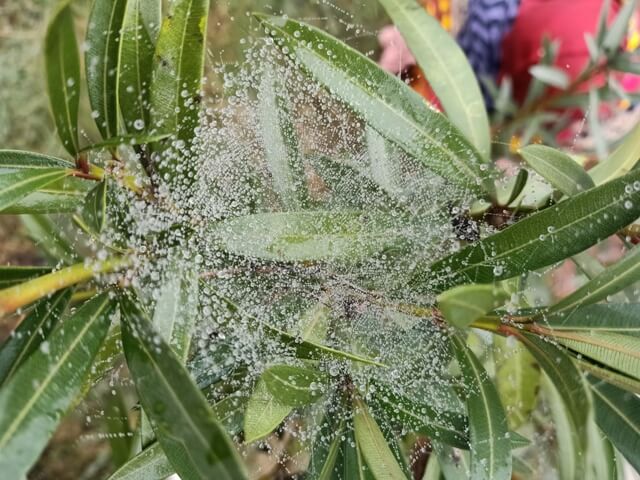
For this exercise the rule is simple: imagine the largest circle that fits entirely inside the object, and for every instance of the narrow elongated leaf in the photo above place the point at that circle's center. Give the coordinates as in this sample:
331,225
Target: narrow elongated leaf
31,332
150,464
66,195
608,375
373,446
177,78
463,305
612,317
399,114
489,432
140,27
446,68
539,240
309,236
595,127
282,154
294,386
445,427
618,416
615,278
101,62
18,159
264,413
568,382
195,443
558,168
550,75
63,75
324,457
177,308
94,213
517,381
10,276
620,352
36,397
612,40
128,140
18,185
47,235
621,161
382,170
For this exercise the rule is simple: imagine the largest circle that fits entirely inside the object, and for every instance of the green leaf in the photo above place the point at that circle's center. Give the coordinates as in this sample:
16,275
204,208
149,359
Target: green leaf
150,464
176,309
610,376
294,386
463,305
595,127
539,240
63,75
36,397
282,153
621,161
309,235
489,432
94,213
446,68
373,446
324,457
611,317
626,62
177,78
31,332
615,350
558,168
17,160
517,380
193,440
446,427
140,27
11,276
567,381
601,456
48,236
61,196
263,414
618,416
18,185
553,76
615,278
127,140
612,40
389,106
101,62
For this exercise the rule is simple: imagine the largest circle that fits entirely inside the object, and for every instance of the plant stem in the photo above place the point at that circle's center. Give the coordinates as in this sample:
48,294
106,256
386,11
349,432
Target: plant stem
25,293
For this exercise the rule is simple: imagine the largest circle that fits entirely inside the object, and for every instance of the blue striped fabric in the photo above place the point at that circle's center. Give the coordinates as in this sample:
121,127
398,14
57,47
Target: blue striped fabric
488,21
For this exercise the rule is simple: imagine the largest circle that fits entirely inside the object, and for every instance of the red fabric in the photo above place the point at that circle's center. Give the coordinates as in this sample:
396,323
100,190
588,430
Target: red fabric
564,20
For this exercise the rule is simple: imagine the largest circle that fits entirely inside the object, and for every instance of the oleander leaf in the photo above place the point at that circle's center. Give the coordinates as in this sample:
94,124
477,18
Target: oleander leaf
101,62
193,440
550,75
373,446
37,396
140,27
611,42
31,332
621,161
295,386
539,240
94,213
558,168
446,68
613,279
11,276
489,433
47,236
618,416
18,185
13,160
391,108
177,78
150,464
611,317
264,413
463,305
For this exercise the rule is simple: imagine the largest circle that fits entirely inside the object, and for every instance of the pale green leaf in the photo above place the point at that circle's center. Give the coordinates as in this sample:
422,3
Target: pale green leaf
19,184
558,169
264,413
446,68
463,305
621,161
549,75
94,213
294,386
48,236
